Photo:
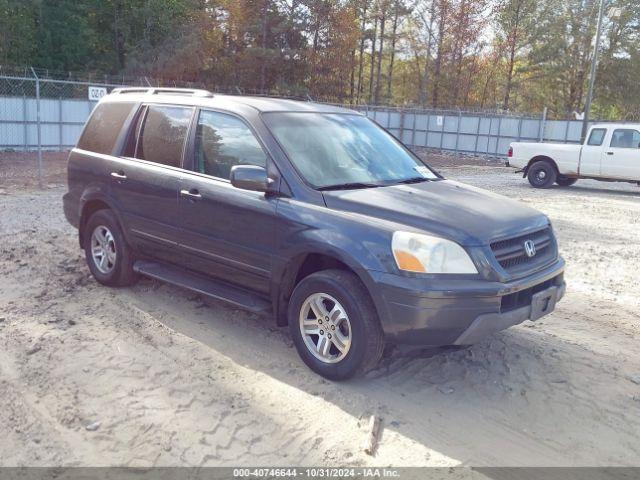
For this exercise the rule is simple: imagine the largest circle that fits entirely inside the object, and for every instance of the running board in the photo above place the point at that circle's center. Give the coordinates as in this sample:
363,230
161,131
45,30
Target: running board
204,285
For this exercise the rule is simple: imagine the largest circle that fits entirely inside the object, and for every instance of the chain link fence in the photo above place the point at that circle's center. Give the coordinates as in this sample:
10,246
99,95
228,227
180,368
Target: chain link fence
46,114
43,114
473,133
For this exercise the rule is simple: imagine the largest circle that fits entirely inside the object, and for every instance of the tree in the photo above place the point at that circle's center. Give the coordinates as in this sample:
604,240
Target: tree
515,19
437,53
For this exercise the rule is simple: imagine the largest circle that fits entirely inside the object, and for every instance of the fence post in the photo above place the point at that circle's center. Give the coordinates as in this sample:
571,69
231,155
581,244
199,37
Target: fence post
413,131
498,137
458,129
39,133
402,125
519,129
475,145
427,131
60,130
25,125
490,134
543,121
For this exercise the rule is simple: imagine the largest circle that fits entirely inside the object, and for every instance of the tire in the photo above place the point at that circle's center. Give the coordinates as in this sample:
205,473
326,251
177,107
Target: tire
565,181
365,335
117,271
542,174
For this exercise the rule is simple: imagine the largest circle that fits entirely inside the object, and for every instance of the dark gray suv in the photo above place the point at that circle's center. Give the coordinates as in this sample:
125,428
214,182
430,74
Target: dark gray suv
310,212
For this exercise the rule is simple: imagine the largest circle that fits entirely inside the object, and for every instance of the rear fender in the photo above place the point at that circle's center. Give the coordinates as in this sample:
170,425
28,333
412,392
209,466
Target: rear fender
539,158
96,192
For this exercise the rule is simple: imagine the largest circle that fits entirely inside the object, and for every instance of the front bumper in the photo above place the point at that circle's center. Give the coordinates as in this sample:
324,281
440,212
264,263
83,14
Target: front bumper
542,303
418,311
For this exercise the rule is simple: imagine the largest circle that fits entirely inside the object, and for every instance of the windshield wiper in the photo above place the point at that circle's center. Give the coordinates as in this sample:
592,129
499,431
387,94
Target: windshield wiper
412,180
348,186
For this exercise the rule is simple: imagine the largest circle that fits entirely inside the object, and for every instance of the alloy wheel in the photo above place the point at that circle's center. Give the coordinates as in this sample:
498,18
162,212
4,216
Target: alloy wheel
325,328
103,249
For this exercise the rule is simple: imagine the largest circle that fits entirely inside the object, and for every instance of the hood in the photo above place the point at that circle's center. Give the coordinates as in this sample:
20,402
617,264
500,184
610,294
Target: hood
468,215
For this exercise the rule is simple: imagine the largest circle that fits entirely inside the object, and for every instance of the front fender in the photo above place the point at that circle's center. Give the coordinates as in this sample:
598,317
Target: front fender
342,249
356,241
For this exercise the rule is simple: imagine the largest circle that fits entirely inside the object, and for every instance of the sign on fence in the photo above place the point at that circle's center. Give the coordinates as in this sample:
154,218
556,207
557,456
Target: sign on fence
96,93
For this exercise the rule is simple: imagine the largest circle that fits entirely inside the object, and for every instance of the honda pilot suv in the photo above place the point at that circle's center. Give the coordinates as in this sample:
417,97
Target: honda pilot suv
311,213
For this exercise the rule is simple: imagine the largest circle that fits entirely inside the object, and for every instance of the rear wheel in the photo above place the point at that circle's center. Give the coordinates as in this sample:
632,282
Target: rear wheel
108,256
565,181
334,325
541,174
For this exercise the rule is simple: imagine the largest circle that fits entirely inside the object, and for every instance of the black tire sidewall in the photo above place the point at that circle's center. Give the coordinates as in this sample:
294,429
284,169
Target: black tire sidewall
354,359
541,166
108,219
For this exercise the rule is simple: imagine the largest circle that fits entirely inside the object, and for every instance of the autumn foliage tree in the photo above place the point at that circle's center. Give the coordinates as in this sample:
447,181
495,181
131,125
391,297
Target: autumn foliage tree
519,55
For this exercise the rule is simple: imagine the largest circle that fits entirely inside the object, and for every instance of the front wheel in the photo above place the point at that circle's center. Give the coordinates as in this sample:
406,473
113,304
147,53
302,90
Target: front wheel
541,174
565,181
334,325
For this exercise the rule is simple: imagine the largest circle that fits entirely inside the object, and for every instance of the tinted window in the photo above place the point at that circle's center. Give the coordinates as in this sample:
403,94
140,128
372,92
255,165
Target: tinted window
134,132
104,126
625,138
163,134
223,141
597,137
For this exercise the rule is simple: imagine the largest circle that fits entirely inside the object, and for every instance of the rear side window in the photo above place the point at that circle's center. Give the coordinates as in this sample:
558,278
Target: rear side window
597,137
625,138
159,134
104,126
223,141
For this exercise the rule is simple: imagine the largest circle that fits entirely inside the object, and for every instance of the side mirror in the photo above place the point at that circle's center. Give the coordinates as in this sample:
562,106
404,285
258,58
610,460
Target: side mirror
250,177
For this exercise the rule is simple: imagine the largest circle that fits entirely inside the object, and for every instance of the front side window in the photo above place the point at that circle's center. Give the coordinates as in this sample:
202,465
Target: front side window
104,127
159,135
625,138
333,151
223,141
596,137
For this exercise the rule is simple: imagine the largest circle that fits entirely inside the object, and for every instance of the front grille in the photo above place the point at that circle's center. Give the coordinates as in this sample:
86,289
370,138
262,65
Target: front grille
511,255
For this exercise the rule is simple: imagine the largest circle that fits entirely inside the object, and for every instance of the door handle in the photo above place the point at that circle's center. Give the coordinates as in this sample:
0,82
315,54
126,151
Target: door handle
609,153
192,194
119,175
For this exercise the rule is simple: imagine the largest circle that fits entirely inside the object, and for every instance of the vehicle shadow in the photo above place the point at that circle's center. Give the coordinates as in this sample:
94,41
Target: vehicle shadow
607,191
505,401
594,187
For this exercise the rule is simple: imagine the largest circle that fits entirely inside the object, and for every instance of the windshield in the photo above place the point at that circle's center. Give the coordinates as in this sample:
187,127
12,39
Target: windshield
336,150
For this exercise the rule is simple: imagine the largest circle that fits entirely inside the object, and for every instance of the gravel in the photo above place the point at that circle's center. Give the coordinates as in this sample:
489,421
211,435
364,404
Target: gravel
194,384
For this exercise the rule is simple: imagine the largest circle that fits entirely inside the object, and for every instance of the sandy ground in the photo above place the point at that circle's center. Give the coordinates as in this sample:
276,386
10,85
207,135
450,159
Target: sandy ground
152,375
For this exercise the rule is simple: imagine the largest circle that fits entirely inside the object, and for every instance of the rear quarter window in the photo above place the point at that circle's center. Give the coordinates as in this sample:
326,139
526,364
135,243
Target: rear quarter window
163,134
104,126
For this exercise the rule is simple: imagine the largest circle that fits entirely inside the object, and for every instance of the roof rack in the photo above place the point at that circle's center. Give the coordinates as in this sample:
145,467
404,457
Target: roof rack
164,91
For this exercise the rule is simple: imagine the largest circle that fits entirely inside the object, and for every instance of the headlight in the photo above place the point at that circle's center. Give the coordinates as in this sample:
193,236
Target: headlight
416,252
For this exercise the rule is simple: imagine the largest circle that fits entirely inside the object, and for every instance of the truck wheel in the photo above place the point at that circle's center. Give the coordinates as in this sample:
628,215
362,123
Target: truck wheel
565,181
541,174
334,325
109,257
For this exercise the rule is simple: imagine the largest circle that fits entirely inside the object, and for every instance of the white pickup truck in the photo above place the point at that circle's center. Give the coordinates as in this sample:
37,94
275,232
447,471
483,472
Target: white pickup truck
611,152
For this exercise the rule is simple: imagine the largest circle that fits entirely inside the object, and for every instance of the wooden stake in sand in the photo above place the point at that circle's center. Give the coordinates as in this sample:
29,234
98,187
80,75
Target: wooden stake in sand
371,442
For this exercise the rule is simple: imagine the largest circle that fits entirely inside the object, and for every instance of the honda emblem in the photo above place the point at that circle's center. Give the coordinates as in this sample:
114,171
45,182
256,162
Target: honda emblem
529,248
